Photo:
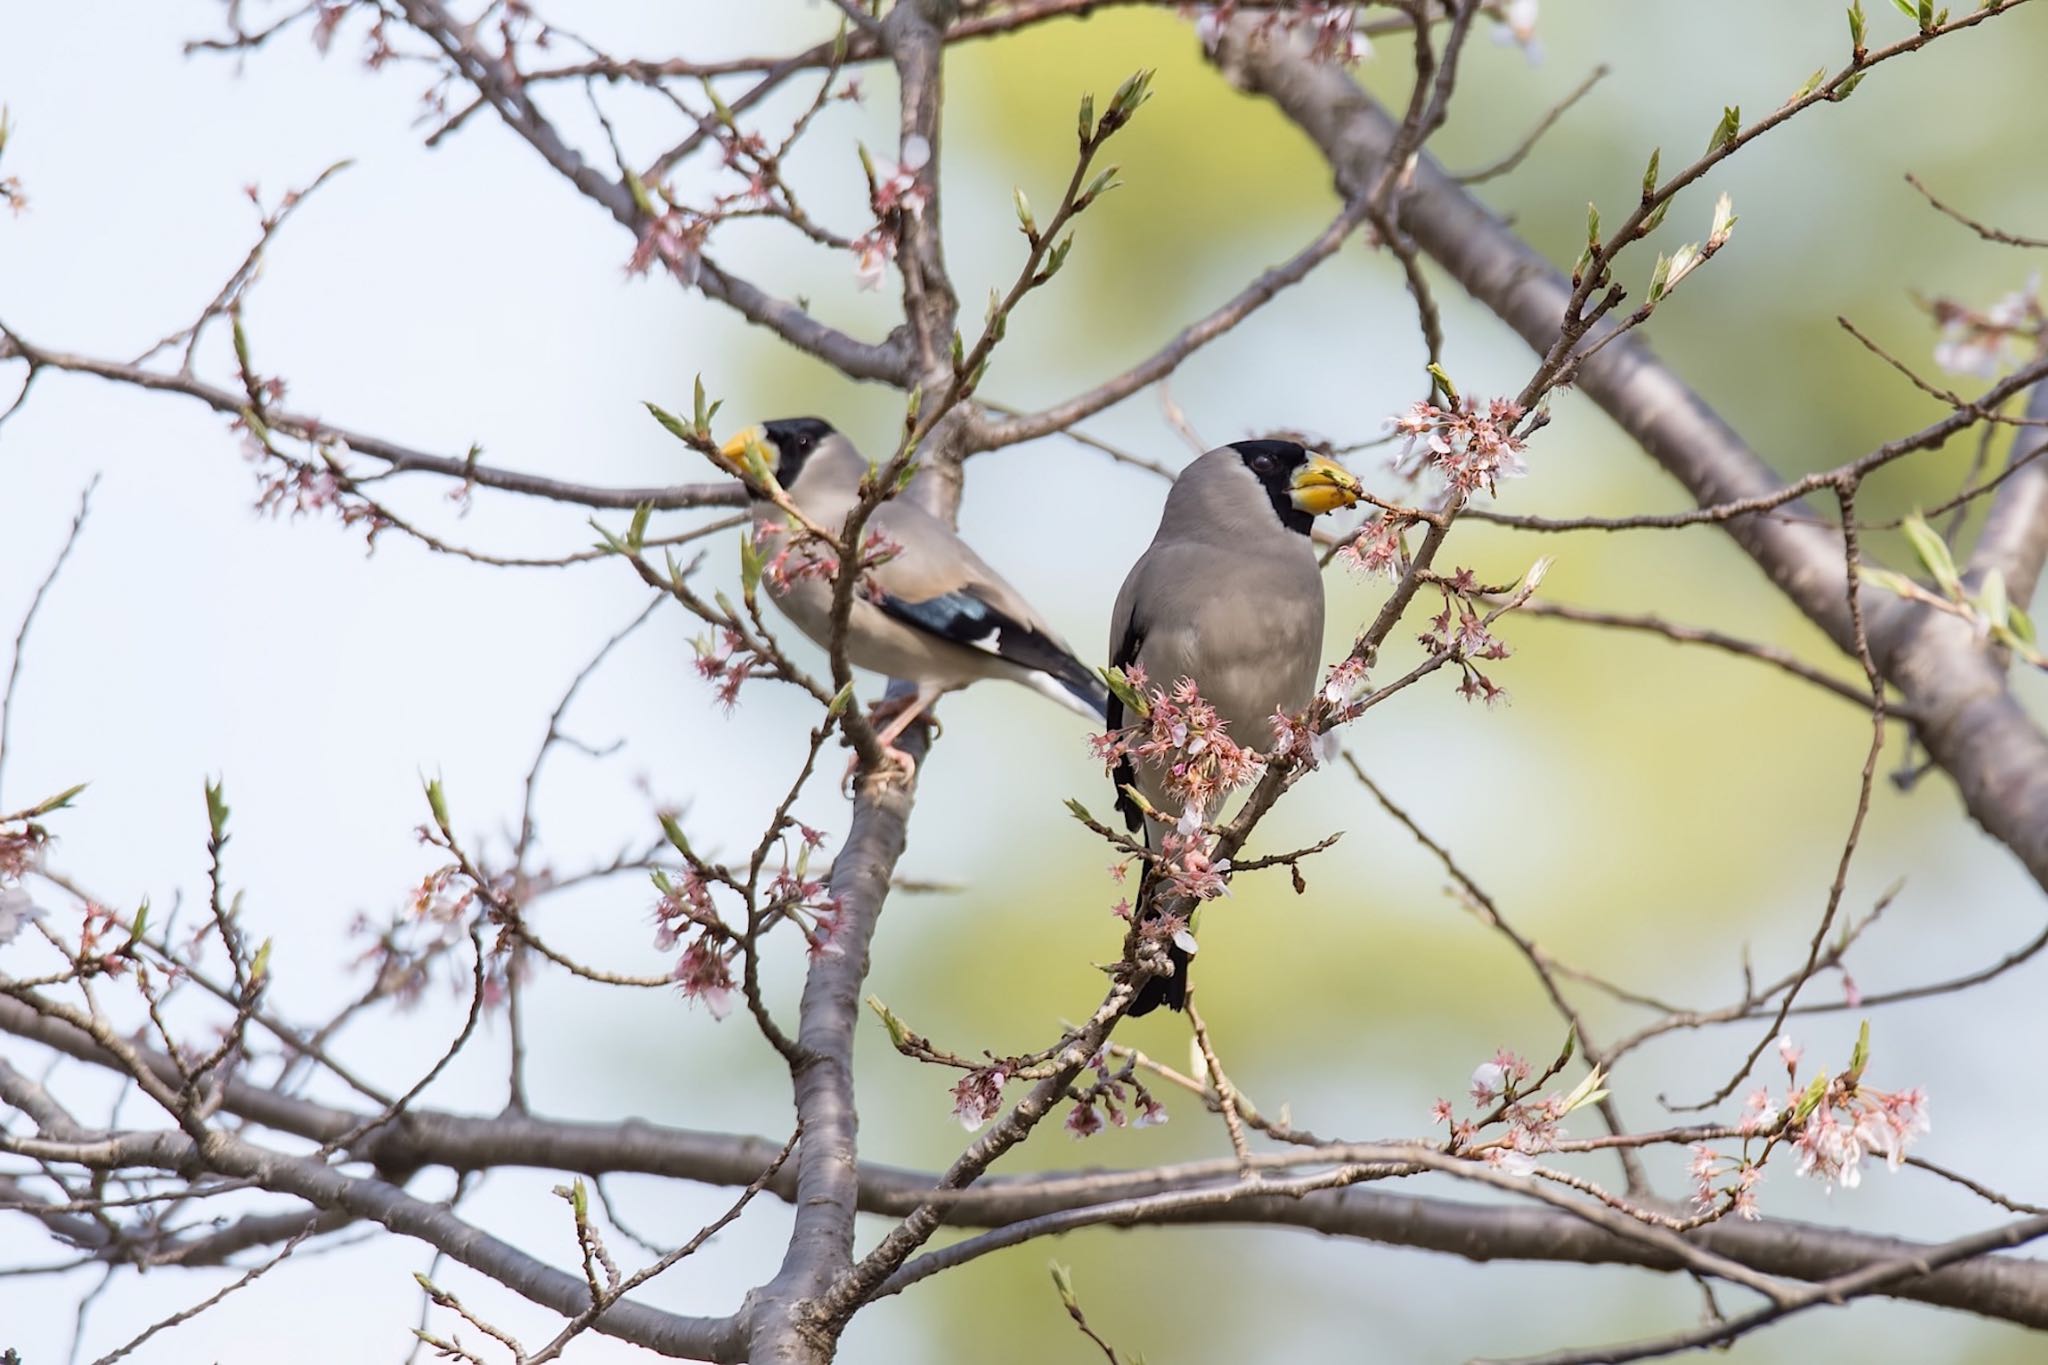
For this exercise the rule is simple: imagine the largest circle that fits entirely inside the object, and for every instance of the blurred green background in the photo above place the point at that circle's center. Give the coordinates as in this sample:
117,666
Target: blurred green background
1651,813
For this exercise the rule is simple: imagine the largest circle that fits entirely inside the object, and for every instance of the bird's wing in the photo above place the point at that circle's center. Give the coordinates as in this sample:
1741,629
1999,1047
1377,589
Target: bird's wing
1126,638
937,584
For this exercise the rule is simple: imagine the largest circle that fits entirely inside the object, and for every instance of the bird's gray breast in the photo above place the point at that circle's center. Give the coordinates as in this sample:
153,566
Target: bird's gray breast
1251,641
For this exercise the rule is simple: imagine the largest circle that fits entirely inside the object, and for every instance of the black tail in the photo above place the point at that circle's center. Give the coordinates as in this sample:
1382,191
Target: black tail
1170,991
1087,689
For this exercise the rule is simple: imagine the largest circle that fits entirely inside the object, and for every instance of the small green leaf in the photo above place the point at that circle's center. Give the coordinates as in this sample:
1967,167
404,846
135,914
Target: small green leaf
1856,22
636,532
841,699
1650,174
1887,579
259,966
1860,1058
1934,555
1104,181
1656,217
1726,130
2021,624
1087,118
1992,602
579,1200
1063,1282
1120,685
1811,84
673,829
701,412
437,802
57,802
1658,276
216,813
899,1032
751,565
1443,383
670,423
1593,224
141,924
1847,87
1810,1101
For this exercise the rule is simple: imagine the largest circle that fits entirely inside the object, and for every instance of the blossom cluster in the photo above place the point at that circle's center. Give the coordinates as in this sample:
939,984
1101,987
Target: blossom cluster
1180,735
1838,1122
894,194
1375,547
1470,446
1461,632
685,910
1982,342
1533,1121
726,660
1116,1097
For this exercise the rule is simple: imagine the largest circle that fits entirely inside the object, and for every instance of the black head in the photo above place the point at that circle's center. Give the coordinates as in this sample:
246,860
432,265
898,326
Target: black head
1274,464
795,439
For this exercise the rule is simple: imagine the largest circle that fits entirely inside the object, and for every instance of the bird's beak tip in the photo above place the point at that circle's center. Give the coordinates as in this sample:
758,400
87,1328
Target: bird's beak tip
736,448
1322,485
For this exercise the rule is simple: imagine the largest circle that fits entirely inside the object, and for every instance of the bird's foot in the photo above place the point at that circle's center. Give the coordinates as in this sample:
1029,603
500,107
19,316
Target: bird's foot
898,765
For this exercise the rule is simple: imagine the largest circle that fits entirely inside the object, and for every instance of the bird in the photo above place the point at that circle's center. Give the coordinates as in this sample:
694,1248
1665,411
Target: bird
932,612
1228,595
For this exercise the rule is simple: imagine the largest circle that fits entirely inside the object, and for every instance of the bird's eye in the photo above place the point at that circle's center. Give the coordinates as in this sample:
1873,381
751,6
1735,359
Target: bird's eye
1263,463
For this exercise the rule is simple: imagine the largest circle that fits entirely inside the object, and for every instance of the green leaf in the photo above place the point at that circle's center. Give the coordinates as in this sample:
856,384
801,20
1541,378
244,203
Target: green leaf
1120,685
1887,579
1650,174
841,699
141,924
1810,1101
1658,276
1812,84
437,802
1847,87
670,423
636,532
1063,1282
899,1032
1726,130
1593,220
216,813
1656,217
259,966
1129,98
1087,118
1934,555
57,802
2021,624
1860,1058
673,828
1856,22
1443,382
1103,182
751,565
701,412
1992,601
1907,8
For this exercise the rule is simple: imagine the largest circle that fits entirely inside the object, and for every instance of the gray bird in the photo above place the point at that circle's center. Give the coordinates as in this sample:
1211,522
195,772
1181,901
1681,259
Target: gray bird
1229,595
934,613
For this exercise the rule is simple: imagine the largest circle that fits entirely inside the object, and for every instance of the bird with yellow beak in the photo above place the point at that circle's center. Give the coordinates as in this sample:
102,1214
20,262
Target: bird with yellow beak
932,612
1228,595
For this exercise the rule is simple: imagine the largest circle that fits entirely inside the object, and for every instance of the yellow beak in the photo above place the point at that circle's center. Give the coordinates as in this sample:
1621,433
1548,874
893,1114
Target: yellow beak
1322,485
751,438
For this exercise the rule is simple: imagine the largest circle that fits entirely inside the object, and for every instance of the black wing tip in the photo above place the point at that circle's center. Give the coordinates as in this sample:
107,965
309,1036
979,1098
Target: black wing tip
1170,991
